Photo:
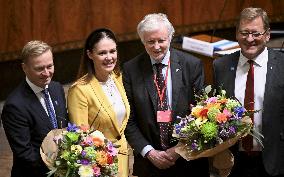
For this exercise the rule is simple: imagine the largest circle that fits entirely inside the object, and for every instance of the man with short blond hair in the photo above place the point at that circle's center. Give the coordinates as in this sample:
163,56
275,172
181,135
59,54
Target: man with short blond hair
34,108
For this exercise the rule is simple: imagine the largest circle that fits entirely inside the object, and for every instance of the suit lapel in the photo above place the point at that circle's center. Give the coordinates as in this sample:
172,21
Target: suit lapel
105,105
231,75
120,88
176,77
149,80
271,66
36,106
54,97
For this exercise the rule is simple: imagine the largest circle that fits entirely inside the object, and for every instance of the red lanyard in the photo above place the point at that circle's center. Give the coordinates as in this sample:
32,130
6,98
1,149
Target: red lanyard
161,93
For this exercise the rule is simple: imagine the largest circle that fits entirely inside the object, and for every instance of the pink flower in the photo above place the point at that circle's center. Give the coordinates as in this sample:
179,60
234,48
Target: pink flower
227,113
111,150
84,128
88,141
97,171
212,100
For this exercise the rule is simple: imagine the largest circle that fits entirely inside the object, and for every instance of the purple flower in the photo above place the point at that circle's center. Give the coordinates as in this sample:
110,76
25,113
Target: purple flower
111,149
239,111
226,131
223,133
177,128
72,127
83,153
232,130
234,117
84,162
194,146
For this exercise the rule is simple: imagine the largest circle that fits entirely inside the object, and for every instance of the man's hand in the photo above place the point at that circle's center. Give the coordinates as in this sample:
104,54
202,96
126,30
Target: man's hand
160,159
171,152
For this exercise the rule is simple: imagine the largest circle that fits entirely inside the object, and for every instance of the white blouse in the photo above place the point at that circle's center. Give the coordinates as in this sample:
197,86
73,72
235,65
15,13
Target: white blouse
114,98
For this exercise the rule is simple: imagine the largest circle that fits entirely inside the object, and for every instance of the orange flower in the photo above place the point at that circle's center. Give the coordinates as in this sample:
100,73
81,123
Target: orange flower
98,138
102,158
216,105
98,141
221,117
196,111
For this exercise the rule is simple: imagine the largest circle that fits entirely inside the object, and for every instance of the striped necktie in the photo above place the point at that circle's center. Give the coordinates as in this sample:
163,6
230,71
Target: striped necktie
50,110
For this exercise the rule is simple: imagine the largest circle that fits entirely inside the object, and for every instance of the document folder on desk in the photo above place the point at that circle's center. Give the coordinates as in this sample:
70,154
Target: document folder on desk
205,47
224,44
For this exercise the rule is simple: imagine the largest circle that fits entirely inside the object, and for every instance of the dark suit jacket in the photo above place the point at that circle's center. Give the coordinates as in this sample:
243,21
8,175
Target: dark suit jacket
273,104
142,129
26,124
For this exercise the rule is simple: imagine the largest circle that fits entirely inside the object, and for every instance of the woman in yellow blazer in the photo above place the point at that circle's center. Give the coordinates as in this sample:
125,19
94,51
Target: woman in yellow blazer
98,98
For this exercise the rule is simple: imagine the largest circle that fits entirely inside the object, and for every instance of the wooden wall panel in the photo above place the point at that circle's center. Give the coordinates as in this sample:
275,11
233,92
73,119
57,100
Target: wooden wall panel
65,24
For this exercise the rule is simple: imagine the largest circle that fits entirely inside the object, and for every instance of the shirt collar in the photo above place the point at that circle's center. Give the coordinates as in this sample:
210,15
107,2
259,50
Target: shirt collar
36,89
260,60
165,60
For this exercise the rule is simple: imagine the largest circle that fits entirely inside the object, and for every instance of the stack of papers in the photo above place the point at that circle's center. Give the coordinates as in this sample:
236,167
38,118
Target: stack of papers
207,48
224,44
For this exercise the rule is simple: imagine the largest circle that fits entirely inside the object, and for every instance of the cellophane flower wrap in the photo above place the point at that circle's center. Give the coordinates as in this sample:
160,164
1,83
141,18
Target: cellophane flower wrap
215,124
79,152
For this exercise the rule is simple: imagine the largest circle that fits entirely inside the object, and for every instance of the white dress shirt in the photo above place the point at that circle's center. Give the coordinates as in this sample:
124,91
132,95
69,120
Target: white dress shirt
37,90
260,70
165,61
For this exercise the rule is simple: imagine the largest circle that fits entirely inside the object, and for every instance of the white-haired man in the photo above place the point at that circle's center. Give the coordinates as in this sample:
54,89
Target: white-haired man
160,85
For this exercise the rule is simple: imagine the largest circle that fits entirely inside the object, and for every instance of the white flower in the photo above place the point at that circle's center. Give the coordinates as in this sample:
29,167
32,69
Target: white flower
77,149
99,135
199,121
86,171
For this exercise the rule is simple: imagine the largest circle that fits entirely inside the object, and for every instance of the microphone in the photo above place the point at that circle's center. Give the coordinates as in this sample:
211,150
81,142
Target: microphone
218,20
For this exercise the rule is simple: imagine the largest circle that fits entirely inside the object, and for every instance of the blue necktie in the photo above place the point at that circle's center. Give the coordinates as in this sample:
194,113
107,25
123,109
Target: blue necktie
50,111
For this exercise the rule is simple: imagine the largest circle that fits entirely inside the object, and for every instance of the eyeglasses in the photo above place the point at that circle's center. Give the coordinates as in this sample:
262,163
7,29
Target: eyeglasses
255,35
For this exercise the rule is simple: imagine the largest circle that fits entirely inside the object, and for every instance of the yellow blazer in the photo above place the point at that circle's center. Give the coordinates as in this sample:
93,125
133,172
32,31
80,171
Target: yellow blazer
88,103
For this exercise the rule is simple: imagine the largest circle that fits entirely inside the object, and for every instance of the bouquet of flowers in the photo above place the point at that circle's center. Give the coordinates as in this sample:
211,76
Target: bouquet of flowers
79,152
215,124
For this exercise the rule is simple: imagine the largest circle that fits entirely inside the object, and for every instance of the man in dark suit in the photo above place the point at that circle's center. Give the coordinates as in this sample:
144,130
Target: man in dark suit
155,106
29,114
231,73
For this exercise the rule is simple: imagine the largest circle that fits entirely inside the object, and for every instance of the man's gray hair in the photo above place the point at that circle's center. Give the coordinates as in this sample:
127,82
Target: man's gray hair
152,22
34,48
251,13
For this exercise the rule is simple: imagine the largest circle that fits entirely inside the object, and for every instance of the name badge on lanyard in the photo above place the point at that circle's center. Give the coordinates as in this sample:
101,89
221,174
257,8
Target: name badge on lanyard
163,115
